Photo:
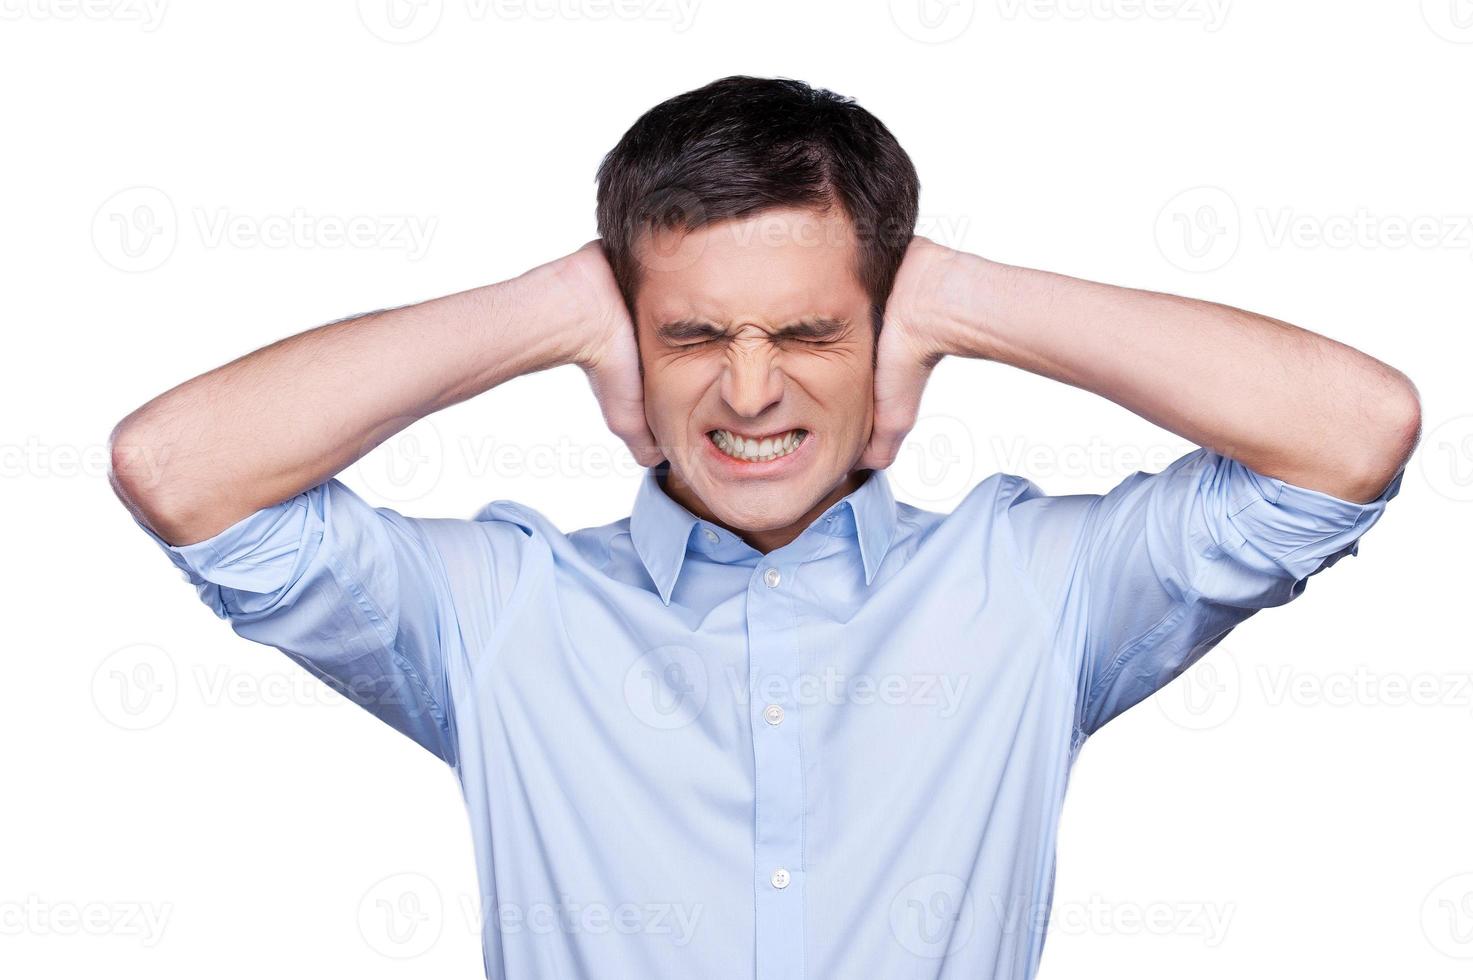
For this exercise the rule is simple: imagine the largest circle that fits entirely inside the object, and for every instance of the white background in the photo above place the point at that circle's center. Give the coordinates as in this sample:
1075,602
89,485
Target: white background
179,802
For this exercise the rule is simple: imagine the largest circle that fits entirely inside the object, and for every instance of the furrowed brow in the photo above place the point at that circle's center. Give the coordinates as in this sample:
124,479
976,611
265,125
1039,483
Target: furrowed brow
688,330
813,328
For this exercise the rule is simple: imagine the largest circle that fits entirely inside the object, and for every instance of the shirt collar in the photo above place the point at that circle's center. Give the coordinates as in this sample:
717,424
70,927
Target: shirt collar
661,528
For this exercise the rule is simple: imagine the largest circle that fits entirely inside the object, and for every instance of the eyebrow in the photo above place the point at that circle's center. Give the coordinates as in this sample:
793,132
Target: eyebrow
809,328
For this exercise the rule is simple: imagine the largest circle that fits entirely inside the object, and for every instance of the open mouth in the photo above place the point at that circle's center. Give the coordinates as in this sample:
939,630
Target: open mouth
757,449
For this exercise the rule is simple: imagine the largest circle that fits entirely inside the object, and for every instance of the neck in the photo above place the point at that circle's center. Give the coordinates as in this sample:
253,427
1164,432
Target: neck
770,539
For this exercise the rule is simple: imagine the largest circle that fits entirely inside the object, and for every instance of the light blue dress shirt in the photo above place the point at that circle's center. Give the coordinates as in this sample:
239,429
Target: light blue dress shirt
843,759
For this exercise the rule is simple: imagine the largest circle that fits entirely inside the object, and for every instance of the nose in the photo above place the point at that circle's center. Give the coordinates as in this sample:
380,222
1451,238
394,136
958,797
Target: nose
752,381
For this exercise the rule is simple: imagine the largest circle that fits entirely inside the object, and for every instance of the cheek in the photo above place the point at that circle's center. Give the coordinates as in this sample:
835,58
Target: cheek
861,408
859,402
672,392
843,389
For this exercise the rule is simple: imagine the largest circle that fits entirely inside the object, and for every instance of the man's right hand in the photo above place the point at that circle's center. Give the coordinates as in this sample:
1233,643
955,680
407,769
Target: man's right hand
609,354
285,418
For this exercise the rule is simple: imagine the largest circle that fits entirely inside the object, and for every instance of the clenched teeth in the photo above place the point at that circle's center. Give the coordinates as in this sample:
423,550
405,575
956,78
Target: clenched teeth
758,450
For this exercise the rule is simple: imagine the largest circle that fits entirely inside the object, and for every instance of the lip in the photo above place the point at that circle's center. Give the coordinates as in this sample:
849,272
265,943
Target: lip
759,436
733,468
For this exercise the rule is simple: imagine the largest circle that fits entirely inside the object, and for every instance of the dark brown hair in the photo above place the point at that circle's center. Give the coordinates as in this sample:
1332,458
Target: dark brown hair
742,145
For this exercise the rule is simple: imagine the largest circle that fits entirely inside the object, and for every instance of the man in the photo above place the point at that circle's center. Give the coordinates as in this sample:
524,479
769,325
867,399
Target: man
774,723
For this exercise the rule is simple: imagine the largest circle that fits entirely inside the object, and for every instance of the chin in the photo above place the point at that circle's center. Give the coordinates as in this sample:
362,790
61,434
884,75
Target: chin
760,496
758,520
751,508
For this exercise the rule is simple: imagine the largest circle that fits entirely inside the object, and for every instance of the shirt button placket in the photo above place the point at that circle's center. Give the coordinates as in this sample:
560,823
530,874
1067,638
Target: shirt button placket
774,676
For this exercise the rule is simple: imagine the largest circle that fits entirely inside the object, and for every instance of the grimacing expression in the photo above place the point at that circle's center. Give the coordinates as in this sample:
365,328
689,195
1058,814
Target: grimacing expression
757,347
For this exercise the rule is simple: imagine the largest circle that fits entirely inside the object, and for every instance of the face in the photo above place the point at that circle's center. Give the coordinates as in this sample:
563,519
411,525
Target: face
757,348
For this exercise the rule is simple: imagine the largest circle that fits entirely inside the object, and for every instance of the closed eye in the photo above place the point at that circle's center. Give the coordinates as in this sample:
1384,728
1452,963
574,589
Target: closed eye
799,340
815,332
678,333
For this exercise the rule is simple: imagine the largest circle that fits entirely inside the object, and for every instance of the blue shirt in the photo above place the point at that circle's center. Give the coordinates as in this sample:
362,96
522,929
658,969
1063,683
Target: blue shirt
842,759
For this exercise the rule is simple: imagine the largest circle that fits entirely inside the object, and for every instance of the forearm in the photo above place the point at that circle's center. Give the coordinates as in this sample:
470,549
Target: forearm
1283,401
284,418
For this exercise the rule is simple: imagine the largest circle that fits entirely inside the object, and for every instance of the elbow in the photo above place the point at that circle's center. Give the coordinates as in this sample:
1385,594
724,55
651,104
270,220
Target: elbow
1392,438
128,457
135,472
1403,425
161,496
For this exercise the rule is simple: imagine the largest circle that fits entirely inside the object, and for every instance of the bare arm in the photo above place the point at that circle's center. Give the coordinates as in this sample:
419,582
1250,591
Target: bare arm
1283,401
280,420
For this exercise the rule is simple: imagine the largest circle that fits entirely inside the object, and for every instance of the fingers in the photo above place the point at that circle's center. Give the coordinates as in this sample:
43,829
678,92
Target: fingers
900,380
885,440
622,404
884,445
641,443
613,367
619,388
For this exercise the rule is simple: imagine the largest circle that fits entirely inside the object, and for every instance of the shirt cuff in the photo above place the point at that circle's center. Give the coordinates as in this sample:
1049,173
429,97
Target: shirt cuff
1302,530
240,556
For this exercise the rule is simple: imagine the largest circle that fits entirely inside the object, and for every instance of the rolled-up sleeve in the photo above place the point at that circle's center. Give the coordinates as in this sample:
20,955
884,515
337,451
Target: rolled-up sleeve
355,594
1164,565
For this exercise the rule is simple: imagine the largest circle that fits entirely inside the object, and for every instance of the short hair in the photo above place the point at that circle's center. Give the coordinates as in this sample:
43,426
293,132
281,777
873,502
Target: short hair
741,145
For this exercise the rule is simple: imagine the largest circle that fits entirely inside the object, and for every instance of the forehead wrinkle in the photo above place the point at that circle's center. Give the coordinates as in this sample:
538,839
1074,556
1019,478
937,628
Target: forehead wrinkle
729,285
760,305
728,302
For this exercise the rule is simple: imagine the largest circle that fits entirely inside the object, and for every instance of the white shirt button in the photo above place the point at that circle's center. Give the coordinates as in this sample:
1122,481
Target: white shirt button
772,576
781,878
773,714
712,536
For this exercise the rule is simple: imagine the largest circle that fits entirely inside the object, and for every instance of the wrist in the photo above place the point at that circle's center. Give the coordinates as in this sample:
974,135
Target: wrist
964,301
589,310
546,305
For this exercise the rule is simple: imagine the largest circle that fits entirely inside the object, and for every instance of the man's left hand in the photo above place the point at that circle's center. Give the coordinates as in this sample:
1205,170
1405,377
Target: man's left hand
912,342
